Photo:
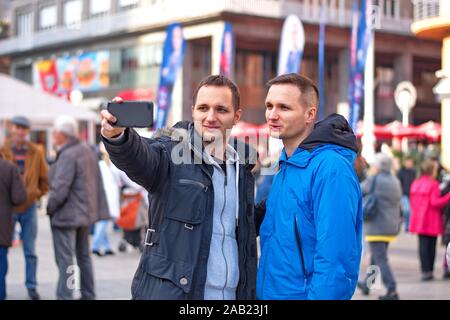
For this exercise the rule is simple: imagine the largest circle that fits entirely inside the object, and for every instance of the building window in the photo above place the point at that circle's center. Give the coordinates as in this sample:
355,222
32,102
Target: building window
128,4
24,73
73,12
48,17
25,24
99,7
389,8
136,67
253,70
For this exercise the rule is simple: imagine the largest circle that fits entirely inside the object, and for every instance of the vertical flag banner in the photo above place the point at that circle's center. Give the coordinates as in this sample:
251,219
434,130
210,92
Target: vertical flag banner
321,110
361,36
227,51
291,46
173,55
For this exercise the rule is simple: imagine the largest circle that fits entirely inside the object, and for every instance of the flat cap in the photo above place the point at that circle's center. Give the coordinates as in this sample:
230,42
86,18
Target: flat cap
21,121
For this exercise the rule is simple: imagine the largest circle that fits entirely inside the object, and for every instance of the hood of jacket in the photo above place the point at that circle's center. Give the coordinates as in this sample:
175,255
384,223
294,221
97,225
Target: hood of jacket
334,133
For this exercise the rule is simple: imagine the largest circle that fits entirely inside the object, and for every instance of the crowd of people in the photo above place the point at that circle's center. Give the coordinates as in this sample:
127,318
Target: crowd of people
84,195
412,194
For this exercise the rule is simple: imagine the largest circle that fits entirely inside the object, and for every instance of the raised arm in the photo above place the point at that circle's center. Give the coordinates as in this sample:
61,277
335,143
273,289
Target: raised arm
145,161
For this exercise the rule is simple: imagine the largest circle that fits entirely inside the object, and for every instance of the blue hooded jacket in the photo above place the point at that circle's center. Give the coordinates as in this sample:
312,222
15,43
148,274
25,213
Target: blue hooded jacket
318,189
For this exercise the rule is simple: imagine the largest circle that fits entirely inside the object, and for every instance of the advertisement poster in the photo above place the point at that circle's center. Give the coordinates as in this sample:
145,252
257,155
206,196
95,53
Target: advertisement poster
291,46
46,76
173,55
86,72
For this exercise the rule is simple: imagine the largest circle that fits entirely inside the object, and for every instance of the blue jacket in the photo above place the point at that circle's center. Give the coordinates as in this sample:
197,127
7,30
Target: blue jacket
318,189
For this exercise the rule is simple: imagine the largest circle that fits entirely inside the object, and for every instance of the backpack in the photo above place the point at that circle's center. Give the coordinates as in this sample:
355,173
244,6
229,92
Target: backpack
370,203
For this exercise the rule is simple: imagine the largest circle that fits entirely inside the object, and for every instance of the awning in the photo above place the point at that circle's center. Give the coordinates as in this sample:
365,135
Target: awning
19,98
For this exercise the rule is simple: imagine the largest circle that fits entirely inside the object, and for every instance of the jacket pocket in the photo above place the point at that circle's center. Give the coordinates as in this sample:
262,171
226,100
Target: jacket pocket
160,278
187,201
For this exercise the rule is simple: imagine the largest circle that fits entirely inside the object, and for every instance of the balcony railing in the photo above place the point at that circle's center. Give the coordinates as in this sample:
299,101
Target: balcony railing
163,12
426,9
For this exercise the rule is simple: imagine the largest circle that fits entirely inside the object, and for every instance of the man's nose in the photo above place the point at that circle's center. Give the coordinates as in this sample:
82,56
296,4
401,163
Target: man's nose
211,116
272,114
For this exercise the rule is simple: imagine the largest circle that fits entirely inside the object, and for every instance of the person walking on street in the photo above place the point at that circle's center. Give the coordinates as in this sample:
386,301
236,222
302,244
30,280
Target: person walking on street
407,174
385,225
76,200
311,235
201,243
426,215
100,243
12,193
30,160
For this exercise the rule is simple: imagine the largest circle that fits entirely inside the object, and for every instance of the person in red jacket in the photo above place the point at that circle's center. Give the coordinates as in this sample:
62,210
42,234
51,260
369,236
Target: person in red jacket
426,217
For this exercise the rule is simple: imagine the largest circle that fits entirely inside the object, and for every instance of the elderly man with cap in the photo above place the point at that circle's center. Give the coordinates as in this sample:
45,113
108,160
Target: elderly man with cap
76,200
32,165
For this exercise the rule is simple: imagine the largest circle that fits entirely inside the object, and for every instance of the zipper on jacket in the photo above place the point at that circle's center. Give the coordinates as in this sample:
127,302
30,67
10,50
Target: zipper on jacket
193,182
223,234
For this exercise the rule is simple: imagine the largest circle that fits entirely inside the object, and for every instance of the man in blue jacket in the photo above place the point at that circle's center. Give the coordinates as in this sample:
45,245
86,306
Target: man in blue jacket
311,233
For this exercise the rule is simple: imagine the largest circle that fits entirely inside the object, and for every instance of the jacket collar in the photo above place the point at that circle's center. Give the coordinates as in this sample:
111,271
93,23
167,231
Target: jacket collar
9,144
72,142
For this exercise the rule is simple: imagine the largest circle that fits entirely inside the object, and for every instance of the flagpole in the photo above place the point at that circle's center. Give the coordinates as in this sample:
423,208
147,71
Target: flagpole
368,137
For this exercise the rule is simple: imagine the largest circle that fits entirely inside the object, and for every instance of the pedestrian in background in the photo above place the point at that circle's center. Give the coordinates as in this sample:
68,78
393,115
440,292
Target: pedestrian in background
76,200
383,228
32,165
100,243
407,174
12,193
426,215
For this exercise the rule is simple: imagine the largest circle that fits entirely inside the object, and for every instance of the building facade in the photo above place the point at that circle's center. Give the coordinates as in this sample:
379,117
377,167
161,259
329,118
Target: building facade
132,32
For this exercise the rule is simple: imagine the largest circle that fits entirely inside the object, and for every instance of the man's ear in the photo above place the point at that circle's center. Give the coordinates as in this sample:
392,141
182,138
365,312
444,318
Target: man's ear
311,114
237,116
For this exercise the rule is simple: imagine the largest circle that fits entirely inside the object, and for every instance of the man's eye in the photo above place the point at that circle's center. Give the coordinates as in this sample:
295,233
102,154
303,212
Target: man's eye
269,107
284,108
222,110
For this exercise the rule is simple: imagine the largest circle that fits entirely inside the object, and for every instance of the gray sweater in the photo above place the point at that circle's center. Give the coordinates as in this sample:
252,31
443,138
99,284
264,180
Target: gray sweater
223,267
388,192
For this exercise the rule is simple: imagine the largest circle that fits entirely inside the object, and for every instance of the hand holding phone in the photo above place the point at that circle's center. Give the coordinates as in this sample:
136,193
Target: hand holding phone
108,120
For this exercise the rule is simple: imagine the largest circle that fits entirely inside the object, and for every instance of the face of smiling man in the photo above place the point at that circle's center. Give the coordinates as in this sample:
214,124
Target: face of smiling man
214,114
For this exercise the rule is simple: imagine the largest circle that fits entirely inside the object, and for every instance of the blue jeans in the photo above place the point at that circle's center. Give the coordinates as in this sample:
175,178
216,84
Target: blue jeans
28,233
3,271
406,211
100,239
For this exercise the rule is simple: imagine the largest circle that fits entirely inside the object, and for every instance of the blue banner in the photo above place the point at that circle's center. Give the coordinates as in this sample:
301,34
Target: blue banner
361,37
173,55
321,110
227,51
291,46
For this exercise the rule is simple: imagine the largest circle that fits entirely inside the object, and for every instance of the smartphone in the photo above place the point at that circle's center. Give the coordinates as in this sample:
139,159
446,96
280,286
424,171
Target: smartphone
132,114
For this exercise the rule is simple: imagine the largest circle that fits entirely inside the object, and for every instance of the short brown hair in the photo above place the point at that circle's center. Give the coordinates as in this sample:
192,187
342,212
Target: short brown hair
309,92
427,167
219,81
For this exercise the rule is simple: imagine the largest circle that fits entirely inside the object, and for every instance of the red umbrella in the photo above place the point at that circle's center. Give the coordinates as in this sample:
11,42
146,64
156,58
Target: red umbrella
379,131
398,130
429,130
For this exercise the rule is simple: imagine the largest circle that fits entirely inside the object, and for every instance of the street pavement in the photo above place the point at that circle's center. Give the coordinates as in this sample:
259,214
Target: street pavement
113,274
